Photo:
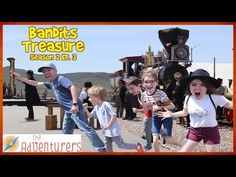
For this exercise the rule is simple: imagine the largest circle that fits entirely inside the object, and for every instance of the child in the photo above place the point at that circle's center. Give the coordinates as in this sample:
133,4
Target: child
133,85
66,95
201,106
155,100
106,116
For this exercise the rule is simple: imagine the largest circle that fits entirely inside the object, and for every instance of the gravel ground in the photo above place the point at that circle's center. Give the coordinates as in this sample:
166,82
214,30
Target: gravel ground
179,132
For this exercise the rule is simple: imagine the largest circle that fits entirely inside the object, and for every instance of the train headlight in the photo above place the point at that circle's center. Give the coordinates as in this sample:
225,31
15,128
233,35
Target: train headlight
180,52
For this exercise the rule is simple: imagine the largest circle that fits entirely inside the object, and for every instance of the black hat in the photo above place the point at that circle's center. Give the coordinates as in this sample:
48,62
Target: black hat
200,74
220,80
30,72
88,84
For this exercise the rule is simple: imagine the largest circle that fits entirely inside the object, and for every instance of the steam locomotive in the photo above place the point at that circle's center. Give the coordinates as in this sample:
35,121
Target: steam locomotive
174,59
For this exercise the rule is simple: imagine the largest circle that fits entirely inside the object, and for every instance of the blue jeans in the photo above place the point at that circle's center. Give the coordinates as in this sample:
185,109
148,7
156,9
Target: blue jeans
81,121
157,123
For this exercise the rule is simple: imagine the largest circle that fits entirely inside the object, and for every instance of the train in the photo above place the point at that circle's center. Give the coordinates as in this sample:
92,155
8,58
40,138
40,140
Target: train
175,57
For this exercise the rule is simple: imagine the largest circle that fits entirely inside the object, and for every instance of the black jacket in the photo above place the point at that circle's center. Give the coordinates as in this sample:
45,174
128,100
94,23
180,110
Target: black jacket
31,94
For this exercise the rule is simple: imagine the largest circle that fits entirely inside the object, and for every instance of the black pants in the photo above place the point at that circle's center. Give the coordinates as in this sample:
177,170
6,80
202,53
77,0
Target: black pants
31,112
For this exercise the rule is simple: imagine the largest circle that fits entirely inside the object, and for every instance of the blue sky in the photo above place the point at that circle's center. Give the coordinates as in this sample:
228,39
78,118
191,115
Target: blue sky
106,44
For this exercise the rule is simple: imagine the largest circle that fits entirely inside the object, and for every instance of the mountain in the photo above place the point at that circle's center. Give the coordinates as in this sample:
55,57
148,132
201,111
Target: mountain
77,78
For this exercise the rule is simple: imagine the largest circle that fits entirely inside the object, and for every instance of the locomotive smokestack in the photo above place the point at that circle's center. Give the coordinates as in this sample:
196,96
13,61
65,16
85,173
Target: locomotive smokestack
173,40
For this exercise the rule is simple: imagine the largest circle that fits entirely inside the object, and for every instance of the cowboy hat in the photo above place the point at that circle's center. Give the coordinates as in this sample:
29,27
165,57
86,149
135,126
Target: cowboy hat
200,74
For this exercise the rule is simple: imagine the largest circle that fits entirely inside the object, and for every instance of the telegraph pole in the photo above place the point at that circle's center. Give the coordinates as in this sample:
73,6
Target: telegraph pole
214,67
192,51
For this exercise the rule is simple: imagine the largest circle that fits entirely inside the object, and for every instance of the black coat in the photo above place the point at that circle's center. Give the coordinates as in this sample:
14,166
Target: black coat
31,95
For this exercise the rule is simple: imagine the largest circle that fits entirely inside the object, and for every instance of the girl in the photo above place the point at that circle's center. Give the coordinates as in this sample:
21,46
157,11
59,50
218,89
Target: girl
200,105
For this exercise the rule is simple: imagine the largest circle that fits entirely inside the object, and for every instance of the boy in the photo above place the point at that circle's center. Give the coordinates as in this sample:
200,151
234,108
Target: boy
133,85
107,118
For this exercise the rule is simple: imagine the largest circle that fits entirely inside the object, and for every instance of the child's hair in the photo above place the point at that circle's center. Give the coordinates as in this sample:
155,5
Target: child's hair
210,88
98,91
132,80
149,72
121,81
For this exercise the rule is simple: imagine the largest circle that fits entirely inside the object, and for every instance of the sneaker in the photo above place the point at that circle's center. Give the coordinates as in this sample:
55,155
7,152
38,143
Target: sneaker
139,148
146,148
102,150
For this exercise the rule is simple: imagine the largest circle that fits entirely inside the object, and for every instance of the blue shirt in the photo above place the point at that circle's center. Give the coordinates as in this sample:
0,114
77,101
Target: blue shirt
60,87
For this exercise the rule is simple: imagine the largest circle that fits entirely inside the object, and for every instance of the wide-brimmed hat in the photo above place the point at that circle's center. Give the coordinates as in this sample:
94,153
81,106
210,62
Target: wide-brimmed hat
30,72
47,65
200,74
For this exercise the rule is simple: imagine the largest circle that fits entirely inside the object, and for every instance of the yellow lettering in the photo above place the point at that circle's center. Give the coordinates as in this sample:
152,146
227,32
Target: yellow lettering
26,44
32,33
64,33
50,47
33,45
42,46
73,33
41,33
48,33
74,57
58,47
79,46
44,57
55,32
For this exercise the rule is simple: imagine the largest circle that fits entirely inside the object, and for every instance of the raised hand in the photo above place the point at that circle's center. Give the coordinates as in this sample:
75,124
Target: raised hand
164,114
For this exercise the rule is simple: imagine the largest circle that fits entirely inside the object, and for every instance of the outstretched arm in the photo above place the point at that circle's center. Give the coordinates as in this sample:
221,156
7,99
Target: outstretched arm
28,81
167,113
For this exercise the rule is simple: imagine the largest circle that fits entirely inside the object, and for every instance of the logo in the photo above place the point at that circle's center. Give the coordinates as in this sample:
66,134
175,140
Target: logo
10,143
41,143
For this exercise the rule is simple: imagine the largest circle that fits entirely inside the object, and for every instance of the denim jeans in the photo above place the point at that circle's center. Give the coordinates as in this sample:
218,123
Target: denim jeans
157,123
81,121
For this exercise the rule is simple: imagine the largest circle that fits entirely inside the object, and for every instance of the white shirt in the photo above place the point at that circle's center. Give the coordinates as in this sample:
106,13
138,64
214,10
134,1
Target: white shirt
202,112
104,112
83,95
